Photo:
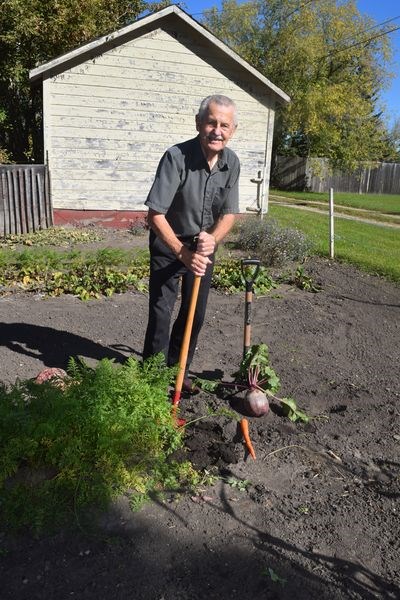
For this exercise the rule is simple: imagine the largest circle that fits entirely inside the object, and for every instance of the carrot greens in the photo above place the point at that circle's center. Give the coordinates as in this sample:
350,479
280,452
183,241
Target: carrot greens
107,431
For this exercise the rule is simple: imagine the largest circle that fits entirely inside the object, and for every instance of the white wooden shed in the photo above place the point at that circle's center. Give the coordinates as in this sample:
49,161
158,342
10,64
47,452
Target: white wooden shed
113,106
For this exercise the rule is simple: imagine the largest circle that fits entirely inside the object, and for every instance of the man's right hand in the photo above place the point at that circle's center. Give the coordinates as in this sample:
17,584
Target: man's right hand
195,262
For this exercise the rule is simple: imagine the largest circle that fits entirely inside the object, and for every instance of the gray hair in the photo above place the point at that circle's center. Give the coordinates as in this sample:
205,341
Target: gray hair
217,99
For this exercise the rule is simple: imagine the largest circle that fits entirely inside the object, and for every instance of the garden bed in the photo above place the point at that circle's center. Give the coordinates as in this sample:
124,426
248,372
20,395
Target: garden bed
316,515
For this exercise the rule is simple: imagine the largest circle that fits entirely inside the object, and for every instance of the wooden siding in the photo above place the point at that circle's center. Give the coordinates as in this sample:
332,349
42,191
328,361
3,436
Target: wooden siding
25,204
108,120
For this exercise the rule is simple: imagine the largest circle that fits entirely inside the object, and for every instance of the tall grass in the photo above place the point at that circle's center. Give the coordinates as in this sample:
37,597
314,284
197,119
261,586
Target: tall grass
373,248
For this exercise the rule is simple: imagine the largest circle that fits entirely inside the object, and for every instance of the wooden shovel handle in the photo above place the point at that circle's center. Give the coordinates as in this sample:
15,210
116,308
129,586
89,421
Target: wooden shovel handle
247,322
249,278
186,339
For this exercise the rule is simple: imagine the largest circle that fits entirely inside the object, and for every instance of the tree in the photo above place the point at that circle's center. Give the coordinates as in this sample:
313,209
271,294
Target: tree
330,59
394,135
33,32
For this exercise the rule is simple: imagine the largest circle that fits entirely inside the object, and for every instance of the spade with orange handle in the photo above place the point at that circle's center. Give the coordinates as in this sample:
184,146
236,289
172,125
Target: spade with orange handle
185,343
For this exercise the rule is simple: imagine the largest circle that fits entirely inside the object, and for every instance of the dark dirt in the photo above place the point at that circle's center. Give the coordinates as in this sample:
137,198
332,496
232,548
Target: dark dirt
320,516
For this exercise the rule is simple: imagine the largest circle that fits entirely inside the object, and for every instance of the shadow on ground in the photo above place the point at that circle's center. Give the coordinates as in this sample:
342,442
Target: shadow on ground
150,558
54,347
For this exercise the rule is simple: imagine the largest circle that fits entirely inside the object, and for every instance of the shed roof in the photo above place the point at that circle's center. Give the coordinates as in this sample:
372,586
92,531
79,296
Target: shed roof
143,25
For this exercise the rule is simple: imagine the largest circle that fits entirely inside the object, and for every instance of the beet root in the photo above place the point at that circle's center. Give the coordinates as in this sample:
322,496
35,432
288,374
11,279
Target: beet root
256,402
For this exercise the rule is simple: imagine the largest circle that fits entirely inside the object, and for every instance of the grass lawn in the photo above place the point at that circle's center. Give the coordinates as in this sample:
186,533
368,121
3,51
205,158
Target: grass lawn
385,203
373,248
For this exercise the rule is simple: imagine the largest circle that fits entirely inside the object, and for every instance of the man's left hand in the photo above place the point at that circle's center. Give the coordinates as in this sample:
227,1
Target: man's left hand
205,244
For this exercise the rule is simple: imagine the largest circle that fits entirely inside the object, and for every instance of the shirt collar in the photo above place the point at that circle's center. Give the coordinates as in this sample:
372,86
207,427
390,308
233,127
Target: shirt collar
223,160
199,157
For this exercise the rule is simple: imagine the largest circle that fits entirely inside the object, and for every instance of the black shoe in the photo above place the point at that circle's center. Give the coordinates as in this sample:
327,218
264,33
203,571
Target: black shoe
189,388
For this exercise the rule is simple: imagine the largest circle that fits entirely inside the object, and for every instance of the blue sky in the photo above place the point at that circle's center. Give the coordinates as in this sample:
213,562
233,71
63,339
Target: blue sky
379,10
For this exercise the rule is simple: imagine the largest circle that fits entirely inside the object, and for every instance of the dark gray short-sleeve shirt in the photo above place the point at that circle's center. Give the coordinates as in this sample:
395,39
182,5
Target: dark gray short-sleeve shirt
191,197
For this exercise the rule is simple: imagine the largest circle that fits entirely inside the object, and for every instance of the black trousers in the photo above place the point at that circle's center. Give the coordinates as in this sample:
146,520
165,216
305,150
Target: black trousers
165,273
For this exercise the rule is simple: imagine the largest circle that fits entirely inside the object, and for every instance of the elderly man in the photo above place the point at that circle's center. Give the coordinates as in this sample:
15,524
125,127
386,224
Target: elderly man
192,205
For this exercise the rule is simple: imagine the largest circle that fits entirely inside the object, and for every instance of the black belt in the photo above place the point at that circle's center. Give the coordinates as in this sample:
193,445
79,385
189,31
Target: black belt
189,240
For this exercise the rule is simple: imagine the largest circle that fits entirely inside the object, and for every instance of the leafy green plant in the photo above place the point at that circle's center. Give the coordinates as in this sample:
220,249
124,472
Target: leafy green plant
86,275
291,411
90,275
239,484
94,281
104,272
107,431
256,363
255,371
303,281
227,277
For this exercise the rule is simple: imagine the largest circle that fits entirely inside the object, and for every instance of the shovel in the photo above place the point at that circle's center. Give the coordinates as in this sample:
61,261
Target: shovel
250,269
185,344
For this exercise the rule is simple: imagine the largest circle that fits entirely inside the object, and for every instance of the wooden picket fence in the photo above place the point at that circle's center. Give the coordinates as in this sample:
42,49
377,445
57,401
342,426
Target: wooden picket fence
25,203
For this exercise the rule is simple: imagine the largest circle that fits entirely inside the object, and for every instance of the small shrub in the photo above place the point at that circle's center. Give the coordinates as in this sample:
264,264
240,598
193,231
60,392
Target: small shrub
273,244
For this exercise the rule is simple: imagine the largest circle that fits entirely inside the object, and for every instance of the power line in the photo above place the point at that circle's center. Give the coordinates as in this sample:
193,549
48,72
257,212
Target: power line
239,7
370,28
296,9
365,41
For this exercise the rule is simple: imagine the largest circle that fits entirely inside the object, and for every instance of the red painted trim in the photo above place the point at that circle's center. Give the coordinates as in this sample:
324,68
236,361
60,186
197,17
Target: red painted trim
115,219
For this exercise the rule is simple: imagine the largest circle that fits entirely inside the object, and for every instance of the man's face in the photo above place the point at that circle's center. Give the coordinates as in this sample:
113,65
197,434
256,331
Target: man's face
216,129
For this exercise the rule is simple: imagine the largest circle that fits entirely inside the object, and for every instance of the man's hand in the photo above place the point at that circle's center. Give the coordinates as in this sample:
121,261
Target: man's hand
194,261
205,244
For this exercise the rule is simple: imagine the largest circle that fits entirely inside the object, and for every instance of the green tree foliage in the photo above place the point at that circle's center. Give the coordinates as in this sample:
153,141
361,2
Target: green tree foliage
33,32
330,59
395,136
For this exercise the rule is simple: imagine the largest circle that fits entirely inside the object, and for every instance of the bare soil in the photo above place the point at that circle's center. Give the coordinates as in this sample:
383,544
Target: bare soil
319,518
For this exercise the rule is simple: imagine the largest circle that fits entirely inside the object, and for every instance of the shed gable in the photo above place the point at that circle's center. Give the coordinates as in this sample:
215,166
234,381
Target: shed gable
107,120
